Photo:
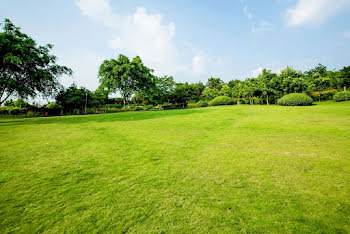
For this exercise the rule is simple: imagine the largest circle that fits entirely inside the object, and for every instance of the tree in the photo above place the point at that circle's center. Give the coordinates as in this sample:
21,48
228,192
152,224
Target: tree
26,69
74,98
292,81
320,69
214,83
124,76
344,75
226,90
265,79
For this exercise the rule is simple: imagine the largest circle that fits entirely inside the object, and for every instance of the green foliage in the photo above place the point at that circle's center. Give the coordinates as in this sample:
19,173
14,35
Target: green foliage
295,99
125,76
115,105
73,99
26,68
342,96
324,95
191,105
202,103
52,105
209,94
31,114
17,111
344,77
4,110
148,107
221,100
9,103
214,83
11,110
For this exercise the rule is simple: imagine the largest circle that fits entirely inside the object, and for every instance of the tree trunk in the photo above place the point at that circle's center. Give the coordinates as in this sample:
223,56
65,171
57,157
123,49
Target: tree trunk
267,100
344,88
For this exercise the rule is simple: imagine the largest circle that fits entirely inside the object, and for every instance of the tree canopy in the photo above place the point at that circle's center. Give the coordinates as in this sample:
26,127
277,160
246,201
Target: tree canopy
125,76
26,69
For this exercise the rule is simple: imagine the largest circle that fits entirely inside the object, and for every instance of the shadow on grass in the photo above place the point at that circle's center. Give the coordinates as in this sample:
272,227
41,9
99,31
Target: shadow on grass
112,117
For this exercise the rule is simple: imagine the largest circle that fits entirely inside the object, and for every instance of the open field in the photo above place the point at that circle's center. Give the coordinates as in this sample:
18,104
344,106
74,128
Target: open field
216,169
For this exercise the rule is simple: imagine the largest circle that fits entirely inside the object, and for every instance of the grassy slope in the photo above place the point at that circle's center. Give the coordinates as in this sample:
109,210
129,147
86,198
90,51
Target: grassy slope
232,168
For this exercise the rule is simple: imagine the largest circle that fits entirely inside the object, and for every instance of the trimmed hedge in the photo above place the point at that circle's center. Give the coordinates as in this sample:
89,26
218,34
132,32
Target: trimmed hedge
202,103
295,99
221,100
342,96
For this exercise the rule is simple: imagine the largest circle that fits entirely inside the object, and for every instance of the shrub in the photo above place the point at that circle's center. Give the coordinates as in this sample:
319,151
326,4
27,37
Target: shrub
257,101
324,95
116,105
4,110
191,105
31,114
138,108
202,103
221,100
169,106
148,107
16,111
20,103
52,105
342,96
295,99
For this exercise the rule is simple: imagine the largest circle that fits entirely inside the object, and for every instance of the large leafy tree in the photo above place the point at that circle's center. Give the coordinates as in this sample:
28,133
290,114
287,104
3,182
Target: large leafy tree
26,69
125,76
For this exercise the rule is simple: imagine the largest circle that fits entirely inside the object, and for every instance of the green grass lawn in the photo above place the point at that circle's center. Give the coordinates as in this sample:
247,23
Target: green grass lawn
216,169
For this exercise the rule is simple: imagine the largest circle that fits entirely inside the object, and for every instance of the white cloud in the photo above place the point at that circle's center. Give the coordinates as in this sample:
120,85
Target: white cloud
247,12
94,8
147,35
142,33
313,11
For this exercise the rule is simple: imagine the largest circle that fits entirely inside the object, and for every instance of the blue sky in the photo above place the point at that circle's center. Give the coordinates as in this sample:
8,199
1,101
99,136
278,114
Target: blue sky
191,40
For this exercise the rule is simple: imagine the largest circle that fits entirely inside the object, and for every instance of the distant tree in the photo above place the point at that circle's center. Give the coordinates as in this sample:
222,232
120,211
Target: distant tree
320,69
26,69
214,83
124,76
266,84
292,81
73,98
344,77
226,90
237,90
209,94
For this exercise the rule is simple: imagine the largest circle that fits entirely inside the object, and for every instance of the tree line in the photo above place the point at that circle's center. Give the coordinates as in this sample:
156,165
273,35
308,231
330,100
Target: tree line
28,69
